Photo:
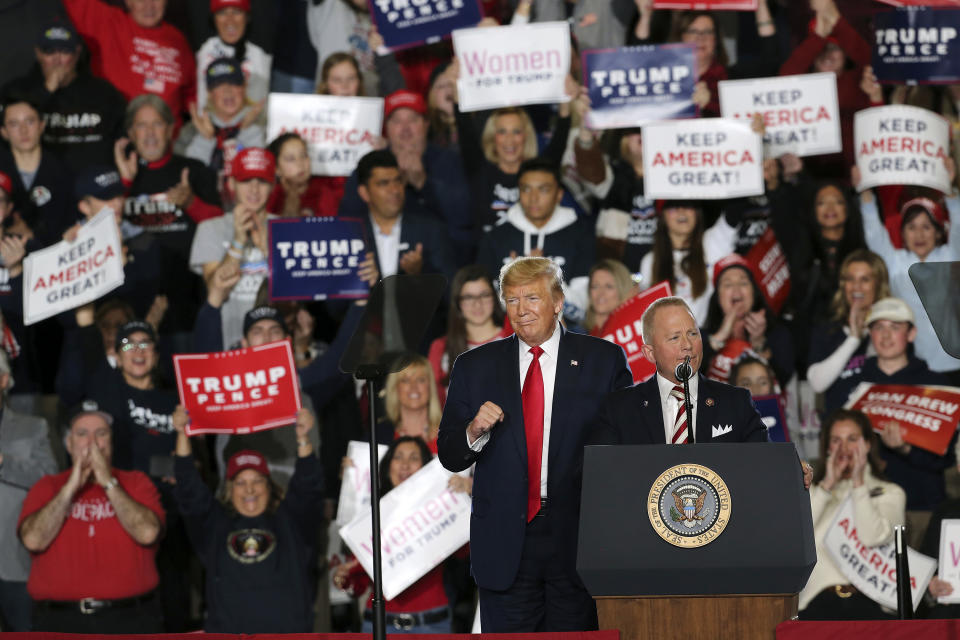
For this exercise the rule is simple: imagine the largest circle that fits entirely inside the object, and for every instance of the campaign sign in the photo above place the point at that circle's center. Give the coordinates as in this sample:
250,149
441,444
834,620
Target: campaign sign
898,144
919,45
239,391
623,328
338,130
949,567
927,416
722,362
422,522
703,159
403,23
801,113
631,86
710,5
355,485
316,258
513,65
773,417
873,570
70,274
770,269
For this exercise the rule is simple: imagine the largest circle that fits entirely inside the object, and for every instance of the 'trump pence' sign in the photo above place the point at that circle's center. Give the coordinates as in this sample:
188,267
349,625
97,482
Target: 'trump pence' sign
69,274
898,144
239,391
705,158
800,112
507,66
338,130
631,86
404,24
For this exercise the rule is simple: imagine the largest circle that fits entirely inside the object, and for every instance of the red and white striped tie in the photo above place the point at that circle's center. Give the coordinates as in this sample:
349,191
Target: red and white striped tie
680,433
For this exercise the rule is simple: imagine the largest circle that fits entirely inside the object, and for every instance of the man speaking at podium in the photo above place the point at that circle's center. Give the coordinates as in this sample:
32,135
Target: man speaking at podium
654,412
527,441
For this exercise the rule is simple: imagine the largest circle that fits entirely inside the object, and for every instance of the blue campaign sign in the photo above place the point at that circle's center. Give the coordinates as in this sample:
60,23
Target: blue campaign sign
771,413
917,45
316,258
408,23
631,86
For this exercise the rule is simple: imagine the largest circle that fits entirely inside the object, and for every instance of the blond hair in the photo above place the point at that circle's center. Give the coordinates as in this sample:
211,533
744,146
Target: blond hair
646,320
433,404
621,278
525,270
487,138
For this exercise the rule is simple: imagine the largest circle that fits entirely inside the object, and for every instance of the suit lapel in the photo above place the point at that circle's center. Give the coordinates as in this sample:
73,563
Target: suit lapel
651,410
565,379
706,404
371,240
509,380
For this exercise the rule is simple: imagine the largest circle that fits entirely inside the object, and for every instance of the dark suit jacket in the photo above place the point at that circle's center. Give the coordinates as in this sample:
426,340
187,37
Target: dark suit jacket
587,370
437,257
634,415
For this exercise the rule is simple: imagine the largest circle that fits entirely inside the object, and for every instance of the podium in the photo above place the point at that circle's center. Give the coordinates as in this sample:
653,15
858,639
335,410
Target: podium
732,546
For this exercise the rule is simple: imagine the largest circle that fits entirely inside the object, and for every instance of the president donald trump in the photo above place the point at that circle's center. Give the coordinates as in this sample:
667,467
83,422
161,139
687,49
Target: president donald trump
521,409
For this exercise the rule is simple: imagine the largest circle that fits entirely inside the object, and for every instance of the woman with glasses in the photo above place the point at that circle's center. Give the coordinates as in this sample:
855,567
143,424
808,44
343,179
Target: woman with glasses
701,30
475,318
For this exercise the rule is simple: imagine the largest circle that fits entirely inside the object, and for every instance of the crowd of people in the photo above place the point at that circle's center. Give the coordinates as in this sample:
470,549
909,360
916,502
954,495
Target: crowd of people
156,110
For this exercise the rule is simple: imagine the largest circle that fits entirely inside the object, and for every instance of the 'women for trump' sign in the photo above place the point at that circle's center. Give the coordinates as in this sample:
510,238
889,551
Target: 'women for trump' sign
507,66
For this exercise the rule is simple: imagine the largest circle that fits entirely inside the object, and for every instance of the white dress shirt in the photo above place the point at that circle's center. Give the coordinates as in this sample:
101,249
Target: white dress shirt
671,407
388,247
548,369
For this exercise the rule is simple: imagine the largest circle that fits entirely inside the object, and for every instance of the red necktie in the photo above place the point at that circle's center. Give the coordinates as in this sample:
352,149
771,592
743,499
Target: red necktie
532,398
680,433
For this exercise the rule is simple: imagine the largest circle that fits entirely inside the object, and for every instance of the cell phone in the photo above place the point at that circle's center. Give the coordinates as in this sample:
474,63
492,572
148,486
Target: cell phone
161,466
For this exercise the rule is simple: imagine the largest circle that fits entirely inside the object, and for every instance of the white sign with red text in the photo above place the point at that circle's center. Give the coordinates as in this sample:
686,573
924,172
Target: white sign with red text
512,65
898,144
800,113
949,567
69,274
873,570
338,130
422,522
355,485
702,159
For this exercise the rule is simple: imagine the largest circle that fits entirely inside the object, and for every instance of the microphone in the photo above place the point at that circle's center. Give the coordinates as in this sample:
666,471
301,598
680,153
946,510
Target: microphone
684,371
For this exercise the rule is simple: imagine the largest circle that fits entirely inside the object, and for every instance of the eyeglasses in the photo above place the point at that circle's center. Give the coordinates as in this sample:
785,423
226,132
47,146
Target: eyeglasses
699,33
139,346
483,297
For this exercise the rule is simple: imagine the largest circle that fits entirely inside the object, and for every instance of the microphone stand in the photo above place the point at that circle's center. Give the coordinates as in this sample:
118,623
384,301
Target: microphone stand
687,372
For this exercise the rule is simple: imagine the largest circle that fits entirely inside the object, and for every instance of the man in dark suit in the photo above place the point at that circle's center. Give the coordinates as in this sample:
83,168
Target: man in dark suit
527,442
653,412
402,242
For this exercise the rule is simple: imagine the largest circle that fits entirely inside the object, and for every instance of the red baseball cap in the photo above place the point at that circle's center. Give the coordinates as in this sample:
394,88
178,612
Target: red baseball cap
247,459
403,98
216,5
252,163
6,183
732,260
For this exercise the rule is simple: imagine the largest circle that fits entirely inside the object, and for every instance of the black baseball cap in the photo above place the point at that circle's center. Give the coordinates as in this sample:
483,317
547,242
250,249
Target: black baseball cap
264,312
129,328
99,181
58,37
224,71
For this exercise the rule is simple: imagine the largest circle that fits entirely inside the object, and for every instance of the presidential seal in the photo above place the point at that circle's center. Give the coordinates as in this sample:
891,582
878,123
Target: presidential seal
689,505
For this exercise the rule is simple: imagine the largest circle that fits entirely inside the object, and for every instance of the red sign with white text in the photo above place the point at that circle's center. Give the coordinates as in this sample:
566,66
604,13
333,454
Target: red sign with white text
927,416
771,270
623,328
239,391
